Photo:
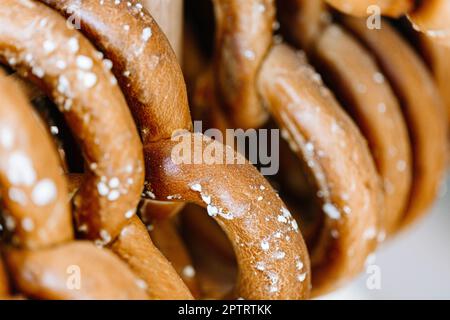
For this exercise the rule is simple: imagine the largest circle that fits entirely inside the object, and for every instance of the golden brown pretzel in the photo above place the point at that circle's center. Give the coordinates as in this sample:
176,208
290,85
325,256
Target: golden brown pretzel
320,132
431,18
271,255
33,188
239,53
4,283
45,273
392,8
424,112
136,248
71,71
356,79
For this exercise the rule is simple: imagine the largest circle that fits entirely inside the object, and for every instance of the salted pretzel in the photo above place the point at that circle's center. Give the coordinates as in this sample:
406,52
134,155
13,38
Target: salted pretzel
429,17
356,79
425,112
71,71
35,195
159,122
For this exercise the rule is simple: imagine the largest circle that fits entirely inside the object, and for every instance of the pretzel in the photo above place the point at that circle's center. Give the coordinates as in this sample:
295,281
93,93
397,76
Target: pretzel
340,266
357,80
136,248
431,18
212,253
136,45
391,8
424,112
265,284
35,194
270,252
69,70
303,20
345,174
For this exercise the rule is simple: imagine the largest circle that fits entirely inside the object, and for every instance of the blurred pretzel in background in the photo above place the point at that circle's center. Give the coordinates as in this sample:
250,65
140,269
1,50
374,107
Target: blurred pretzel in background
363,155
262,273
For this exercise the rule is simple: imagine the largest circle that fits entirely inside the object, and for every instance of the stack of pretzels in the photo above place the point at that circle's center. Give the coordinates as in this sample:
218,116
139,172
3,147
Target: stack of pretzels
95,204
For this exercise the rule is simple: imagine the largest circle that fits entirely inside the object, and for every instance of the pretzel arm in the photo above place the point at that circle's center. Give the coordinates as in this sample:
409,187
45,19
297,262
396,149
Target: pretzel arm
424,112
271,255
137,249
69,70
321,133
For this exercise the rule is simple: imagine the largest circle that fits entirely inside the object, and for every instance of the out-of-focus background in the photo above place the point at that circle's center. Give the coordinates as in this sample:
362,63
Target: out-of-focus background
414,265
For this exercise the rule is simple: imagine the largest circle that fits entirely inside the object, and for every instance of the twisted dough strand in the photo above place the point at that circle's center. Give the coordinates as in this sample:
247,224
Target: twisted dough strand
346,177
34,190
424,112
356,79
68,68
271,255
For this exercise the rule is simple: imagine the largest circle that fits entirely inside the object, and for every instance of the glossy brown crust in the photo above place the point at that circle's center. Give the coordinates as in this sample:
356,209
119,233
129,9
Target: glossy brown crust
391,8
320,132
432,18
51,273
272,258
356,79
243,37
167,239
423,109
143,62
34,190
136,248
70,71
